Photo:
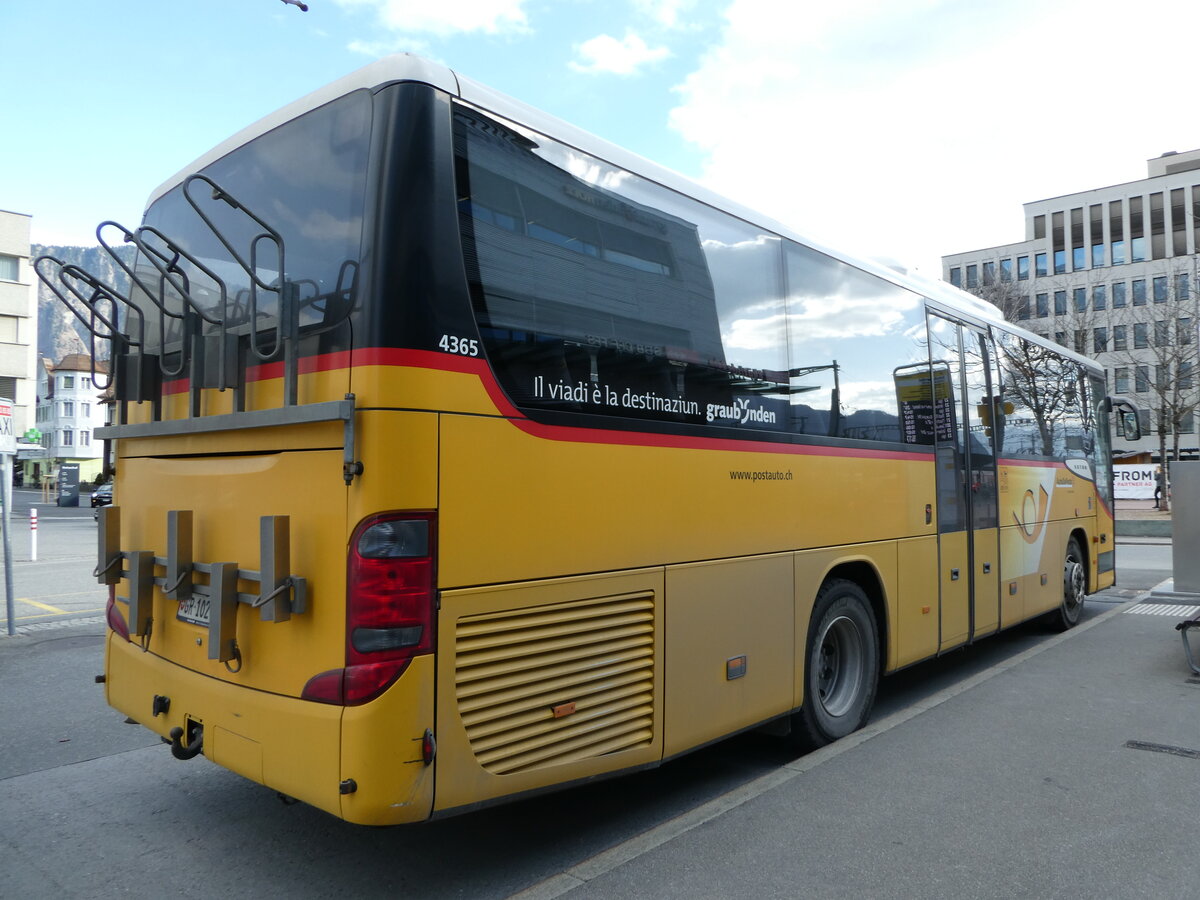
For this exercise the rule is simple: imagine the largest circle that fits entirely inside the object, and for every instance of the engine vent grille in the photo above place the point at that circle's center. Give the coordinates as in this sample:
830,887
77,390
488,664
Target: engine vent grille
552,684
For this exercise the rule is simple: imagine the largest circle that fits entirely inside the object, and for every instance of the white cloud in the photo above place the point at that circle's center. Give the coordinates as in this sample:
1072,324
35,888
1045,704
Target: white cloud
447,18
667,13
916,128
605,53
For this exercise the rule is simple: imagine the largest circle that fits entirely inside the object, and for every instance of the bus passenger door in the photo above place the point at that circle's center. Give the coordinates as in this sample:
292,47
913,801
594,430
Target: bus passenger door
963,369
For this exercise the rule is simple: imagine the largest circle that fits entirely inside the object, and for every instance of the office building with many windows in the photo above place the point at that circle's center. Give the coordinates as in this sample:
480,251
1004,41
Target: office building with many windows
1112,273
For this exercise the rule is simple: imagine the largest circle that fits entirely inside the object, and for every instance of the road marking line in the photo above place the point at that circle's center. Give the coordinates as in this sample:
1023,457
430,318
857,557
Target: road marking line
45,606
607,860
64,612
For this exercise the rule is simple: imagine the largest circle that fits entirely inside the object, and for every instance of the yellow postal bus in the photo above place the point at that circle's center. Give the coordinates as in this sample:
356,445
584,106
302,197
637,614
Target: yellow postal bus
462,455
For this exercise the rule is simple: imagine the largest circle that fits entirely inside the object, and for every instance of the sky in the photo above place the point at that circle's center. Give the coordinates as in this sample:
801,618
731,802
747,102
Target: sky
900,130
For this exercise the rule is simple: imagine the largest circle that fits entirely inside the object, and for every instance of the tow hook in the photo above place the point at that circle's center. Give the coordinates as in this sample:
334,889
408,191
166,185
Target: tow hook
194,746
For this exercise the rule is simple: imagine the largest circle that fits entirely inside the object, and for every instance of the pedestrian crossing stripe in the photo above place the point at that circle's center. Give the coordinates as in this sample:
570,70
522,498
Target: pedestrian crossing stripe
1182,610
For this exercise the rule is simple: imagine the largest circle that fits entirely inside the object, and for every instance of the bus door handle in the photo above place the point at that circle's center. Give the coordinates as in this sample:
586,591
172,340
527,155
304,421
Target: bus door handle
987,567
954,574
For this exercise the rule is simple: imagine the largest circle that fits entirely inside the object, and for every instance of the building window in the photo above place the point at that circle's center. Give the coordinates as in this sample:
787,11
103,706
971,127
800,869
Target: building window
1118,294
1080,296
1039,262
85,383
68,438
1119,340
1162,334
1043,305
1182,286
1060,337
1060,303
989,273
10,267
956,276
972,277
1099,340
85,410
1141,331
85,439
1096,224
1185,376
1141,379
1099,297
1060,262
1081,340
1185,330
1006,270
1139,292
68,409
1121,381
1137,233
1022,268
1160,289
1158,227
1116,230
1023,307
67,382
1187,423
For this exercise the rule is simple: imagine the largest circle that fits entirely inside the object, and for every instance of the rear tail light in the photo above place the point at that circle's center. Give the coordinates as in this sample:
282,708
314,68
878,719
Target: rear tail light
390,606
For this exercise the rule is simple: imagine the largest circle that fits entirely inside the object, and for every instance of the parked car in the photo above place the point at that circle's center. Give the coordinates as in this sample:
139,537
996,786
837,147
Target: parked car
102,496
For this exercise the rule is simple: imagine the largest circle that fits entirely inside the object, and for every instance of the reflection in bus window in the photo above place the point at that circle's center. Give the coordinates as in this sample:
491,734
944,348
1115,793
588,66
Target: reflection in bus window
848,332
601,293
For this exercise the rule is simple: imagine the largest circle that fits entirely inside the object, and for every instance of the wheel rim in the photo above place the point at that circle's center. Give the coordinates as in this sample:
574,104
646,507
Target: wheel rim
1076,584
840,666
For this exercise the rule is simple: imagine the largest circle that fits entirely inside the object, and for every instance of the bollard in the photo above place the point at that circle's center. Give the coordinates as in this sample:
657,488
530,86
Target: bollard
32,534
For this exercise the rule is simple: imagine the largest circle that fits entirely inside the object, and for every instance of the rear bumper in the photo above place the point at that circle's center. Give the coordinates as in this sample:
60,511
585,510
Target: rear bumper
303,749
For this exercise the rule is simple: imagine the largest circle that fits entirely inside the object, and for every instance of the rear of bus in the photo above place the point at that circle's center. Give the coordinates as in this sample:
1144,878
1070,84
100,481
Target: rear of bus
272,559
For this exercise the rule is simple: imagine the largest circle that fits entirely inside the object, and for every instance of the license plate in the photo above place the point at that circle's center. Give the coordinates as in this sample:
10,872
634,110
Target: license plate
194,609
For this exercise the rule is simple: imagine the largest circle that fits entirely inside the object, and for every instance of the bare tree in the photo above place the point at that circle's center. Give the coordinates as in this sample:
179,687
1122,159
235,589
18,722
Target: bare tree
1155,354
1038,384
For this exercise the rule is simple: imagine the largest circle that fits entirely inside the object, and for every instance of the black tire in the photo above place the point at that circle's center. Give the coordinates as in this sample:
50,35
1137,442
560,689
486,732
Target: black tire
1074,589
841,670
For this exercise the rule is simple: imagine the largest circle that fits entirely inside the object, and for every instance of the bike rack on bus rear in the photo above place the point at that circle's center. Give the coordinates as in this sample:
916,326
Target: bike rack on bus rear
211,345
280,593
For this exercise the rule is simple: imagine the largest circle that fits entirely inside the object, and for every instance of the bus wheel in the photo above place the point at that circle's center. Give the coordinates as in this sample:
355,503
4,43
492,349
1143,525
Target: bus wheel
841,668
1074,590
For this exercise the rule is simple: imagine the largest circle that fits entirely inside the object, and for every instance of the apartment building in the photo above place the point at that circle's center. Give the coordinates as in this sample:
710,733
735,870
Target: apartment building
68,413
18,319
1112,273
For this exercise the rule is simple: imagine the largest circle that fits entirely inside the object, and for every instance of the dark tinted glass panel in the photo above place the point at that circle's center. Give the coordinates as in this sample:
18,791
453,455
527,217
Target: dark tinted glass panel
601,293
307,181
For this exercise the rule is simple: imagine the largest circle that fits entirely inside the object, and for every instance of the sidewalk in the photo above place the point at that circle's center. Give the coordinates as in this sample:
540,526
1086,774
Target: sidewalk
1139,519
1061,772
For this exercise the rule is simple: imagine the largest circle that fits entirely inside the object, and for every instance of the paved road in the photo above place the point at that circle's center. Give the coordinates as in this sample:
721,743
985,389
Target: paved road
943,795
59,585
